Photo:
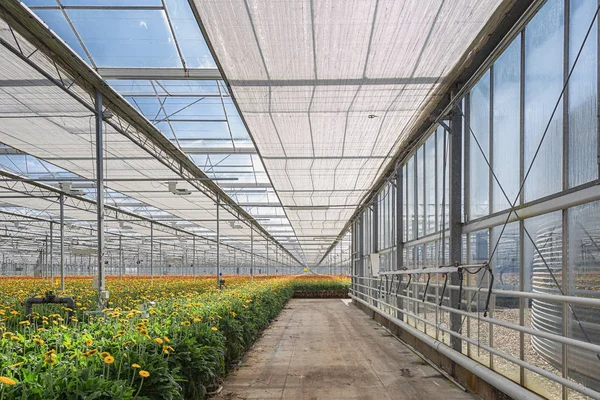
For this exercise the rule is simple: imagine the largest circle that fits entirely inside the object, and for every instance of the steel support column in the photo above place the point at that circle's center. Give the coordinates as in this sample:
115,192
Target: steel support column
46,258
455,240
151,250
194,256
251,253
100,201
51,246
218,242
62,242
121,263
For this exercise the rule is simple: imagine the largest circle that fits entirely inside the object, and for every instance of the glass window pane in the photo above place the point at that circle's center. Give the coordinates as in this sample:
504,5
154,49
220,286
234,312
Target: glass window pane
583,102
584,281
506,120
478,253
505,262
479,123
420,193
542,269
430,183
404,199
410,198
543,84
443,190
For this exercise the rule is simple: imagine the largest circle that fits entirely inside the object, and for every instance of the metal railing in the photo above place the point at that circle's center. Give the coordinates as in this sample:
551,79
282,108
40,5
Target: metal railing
374,293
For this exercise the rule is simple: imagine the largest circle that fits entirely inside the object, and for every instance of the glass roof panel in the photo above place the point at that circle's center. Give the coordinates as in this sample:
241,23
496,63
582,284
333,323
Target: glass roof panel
204,130
126,38
194,48
55,19
110,3
193,108
32,3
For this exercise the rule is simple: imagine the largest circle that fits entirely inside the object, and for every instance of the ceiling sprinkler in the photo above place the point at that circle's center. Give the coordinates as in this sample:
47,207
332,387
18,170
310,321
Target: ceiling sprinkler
180,192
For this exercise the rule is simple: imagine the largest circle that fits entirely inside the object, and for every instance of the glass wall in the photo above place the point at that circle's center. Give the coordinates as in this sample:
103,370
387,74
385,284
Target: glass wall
530,197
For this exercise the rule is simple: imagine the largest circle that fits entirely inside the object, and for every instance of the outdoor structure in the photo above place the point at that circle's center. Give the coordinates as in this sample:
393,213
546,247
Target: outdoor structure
444,154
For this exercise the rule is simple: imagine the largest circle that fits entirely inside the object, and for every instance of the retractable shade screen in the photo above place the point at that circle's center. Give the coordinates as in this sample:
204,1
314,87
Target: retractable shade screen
330,89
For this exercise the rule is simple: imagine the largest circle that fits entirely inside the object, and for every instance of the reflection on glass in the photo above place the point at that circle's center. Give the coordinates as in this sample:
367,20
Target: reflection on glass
543,84
506,120
479,123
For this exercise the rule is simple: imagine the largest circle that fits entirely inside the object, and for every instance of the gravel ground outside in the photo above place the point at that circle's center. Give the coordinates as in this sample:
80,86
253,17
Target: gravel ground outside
505,340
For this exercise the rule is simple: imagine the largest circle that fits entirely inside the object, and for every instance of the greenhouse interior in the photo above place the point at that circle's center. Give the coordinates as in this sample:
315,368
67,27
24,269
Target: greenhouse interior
299,199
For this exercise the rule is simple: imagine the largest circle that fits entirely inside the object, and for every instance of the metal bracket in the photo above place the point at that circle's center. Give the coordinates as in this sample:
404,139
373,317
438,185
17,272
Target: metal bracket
50,298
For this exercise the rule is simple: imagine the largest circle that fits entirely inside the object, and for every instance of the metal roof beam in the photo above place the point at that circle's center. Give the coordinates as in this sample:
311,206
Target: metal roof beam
160,73
218,150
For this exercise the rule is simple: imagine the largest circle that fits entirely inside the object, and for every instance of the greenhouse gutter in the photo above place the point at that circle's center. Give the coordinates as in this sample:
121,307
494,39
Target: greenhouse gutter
496,380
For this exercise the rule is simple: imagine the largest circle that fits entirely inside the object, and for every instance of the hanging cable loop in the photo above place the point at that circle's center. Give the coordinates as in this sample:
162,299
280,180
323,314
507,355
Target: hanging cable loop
426,287
443,290
460,286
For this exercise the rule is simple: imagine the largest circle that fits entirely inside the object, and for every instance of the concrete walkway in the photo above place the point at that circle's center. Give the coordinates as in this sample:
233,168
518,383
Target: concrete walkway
328,349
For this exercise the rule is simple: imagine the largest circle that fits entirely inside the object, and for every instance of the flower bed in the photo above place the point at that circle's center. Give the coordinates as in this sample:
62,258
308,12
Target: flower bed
166,338
178,350
320,287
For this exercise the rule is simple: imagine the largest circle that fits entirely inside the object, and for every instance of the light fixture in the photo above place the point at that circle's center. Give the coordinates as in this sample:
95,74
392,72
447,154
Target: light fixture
180,192
67,187
123,226
107,114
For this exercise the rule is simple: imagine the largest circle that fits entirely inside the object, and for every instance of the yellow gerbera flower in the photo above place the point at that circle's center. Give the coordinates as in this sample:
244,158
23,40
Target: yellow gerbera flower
109,360
144,374
7,381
